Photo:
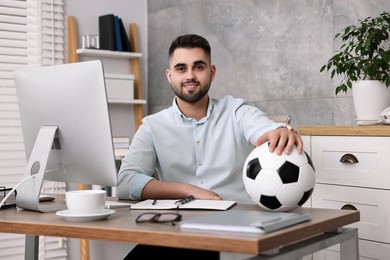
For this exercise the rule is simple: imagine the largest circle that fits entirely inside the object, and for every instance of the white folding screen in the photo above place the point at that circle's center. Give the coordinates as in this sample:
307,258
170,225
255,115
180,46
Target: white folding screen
31,34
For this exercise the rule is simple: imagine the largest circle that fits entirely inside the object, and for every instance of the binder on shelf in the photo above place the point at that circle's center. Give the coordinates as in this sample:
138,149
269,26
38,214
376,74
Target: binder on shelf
118,36
107,39
126,45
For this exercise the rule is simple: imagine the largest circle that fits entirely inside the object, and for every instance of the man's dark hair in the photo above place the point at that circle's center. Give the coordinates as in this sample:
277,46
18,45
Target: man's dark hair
190,41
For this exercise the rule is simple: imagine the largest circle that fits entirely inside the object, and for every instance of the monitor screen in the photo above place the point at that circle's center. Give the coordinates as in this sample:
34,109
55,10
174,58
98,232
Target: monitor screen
66,126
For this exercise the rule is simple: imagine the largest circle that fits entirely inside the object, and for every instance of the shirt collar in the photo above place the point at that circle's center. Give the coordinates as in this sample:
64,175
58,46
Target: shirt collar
191,120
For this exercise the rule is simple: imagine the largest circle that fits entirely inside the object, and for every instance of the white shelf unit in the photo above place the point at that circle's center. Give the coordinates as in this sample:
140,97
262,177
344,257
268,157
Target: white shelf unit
114,54
129,102
119,105
108,54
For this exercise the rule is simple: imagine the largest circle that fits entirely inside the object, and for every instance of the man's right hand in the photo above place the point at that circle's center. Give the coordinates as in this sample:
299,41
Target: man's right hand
156,189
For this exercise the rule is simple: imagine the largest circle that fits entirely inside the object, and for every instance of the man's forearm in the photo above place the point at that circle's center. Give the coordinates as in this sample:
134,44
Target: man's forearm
156,189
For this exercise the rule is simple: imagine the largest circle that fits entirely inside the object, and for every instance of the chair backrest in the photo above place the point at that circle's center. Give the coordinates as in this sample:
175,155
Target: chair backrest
281,118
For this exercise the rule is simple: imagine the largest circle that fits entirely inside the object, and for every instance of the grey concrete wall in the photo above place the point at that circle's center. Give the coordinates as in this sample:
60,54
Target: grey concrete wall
268,52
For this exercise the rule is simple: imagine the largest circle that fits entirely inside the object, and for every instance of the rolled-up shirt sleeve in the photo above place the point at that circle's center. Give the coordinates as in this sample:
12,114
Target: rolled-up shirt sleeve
138,166
254,122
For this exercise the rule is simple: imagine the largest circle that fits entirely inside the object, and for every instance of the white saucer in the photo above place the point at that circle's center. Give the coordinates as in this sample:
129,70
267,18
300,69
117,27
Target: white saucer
85,217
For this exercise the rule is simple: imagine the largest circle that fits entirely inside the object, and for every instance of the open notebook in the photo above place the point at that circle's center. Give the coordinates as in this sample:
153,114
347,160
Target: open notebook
195,204
117,204
245,221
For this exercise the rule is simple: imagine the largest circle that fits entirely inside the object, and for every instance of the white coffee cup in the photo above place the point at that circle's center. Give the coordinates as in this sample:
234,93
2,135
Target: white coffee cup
85,201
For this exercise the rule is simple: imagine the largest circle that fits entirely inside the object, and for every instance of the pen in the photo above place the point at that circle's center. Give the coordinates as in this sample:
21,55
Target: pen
154,202
185,200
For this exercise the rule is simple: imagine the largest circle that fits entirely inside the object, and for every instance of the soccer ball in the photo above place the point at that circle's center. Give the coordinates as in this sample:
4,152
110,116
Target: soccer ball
278,182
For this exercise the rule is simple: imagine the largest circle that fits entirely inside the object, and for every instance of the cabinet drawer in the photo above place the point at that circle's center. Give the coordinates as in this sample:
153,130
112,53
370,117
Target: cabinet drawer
371,170
373,205
368,250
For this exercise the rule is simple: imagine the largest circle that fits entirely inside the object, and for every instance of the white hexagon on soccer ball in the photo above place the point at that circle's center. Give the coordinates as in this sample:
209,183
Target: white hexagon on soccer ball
268,160
268,182
295,158
290,194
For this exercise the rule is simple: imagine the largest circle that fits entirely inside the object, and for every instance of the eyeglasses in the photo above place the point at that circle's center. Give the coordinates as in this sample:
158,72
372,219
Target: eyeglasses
154,217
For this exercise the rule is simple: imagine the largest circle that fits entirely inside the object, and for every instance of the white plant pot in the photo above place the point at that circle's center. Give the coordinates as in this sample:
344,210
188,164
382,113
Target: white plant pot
370,98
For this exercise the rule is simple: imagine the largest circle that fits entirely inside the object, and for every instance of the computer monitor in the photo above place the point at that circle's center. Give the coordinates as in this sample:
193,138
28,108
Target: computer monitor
66,129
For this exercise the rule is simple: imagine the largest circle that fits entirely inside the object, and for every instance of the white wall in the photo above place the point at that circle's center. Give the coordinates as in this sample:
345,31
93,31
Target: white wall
131,11
87,13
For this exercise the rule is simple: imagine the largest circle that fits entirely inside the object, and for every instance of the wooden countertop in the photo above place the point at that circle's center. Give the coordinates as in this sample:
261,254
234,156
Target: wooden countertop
121,226
376,130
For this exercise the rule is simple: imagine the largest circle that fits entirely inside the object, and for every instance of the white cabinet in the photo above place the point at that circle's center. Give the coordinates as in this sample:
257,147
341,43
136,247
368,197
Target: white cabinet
353,171
372,154
119,87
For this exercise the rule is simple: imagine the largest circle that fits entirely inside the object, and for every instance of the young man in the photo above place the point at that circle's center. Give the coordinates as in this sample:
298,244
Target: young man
197,146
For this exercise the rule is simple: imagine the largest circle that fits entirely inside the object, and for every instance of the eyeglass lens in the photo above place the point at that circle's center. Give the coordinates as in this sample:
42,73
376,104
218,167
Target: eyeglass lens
158,217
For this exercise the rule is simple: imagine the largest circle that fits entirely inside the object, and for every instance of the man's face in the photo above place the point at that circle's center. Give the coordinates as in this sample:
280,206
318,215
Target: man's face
190,74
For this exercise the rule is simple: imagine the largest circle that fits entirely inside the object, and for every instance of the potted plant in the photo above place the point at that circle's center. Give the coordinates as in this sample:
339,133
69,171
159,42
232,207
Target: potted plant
364,59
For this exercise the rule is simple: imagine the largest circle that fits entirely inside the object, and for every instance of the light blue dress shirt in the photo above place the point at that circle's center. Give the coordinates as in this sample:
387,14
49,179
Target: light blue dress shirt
208,153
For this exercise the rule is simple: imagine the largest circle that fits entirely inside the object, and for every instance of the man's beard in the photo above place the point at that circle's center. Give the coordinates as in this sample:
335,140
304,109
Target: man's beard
194,96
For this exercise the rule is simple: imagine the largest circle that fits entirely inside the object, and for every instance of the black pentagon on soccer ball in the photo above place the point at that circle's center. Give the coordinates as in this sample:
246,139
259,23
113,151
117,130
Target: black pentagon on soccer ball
270,202
288,172
253,168
305,197
310,161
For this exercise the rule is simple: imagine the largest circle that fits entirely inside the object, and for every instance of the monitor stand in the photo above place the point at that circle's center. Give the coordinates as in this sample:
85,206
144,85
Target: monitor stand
27,196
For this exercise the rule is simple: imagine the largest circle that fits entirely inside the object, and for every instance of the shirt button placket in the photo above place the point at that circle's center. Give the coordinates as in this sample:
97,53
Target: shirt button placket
198,150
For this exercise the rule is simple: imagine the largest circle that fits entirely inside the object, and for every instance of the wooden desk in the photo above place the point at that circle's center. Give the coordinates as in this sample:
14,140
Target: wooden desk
121,227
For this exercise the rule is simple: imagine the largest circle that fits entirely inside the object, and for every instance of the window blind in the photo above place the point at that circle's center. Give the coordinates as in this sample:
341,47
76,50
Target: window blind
31,34
52,32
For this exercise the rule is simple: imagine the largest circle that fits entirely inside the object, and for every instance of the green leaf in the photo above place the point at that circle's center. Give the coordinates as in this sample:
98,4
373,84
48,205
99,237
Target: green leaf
338,89
364,52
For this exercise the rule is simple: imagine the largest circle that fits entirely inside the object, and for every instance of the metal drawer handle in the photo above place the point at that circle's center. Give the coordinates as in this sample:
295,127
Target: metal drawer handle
349,207
349,158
